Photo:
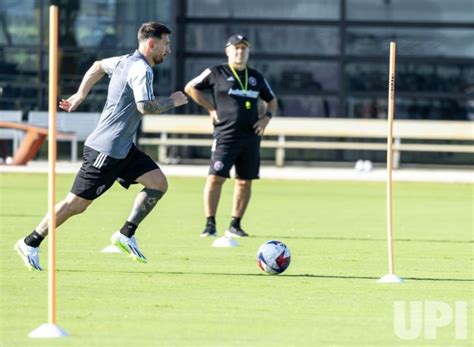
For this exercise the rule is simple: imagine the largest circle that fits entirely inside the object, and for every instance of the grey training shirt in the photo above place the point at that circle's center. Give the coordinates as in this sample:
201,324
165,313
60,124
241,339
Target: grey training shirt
131,82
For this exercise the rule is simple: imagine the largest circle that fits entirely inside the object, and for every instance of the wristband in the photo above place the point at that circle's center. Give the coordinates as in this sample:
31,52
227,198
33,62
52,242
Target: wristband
268,114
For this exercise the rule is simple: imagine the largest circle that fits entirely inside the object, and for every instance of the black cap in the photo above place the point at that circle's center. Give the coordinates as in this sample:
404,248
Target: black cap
237,38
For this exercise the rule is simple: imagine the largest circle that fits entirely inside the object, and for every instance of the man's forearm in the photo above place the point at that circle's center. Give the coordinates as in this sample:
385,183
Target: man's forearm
92,76
272,106
199,98
155,106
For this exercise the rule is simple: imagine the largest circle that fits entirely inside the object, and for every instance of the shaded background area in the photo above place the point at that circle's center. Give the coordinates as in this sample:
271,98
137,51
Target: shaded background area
324,58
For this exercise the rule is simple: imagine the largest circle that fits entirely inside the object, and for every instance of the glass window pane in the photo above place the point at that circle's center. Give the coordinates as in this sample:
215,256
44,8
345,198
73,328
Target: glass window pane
19,60
411,41
290,82
302,77
19,83
308,106
194,67
301,9
409,10
163,77
144,10
265,39
409,108
95,24
410,77
19,22
114,23
126,33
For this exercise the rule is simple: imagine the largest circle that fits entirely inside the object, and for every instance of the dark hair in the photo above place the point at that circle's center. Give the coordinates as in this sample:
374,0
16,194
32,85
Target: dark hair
152,29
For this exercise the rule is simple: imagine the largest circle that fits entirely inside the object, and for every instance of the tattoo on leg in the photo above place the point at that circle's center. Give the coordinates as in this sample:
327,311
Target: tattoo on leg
144,203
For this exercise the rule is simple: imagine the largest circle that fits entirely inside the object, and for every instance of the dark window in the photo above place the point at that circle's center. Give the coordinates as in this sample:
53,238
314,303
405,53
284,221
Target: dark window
313,40
309,106
410,108
88,31
19,22
411,77
411,10
303,9
411,42
285,77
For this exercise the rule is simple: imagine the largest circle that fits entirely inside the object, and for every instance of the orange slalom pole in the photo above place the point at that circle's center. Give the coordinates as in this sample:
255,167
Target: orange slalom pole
50,329
391,108
390,277
53,96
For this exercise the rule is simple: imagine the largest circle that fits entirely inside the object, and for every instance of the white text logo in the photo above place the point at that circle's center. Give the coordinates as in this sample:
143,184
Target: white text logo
411,318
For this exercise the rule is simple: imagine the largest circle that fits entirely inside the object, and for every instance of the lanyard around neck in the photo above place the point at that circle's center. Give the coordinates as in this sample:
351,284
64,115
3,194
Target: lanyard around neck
244,88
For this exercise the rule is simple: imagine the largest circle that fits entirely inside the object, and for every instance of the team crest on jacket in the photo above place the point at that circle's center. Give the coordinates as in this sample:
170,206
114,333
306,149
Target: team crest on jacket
218,165
252,81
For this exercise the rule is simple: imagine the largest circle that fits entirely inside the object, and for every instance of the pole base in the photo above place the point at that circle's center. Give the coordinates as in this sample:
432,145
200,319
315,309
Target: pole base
45,331
111,249
225,242
390,278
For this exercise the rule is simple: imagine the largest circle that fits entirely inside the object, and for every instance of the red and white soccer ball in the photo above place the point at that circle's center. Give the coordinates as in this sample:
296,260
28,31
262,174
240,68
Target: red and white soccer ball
273,257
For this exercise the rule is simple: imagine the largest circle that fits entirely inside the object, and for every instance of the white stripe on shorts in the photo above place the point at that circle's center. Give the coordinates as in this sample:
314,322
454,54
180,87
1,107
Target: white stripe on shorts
99,161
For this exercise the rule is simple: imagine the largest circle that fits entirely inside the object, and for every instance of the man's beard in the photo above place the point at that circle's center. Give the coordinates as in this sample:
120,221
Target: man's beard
158,60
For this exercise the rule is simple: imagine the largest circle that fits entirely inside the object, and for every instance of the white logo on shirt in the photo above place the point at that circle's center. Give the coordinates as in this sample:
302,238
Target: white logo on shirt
239,92
231,79
252,81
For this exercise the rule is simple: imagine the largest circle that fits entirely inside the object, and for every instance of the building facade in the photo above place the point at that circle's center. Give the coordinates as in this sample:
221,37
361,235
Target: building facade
324,58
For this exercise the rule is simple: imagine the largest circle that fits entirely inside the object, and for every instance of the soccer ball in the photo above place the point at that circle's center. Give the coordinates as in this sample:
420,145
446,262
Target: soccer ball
273,257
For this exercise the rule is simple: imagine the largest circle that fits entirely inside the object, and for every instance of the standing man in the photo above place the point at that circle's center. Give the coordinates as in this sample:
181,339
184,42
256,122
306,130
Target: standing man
109,151
238,128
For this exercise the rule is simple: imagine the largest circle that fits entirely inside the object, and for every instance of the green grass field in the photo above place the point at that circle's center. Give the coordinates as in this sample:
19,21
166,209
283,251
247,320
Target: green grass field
190,294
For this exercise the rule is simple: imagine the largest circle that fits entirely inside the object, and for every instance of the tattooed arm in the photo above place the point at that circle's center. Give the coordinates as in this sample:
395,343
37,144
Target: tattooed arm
155,106
162,104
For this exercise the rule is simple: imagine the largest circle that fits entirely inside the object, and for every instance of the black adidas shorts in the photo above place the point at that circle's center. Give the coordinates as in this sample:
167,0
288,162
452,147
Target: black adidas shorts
99,171
243,153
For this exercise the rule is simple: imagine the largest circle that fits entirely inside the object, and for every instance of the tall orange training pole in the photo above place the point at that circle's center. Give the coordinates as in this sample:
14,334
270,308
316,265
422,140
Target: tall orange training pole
52,106
391,106
391,277
50,329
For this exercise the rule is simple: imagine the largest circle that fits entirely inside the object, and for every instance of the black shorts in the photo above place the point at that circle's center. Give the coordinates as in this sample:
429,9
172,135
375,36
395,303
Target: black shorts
99,171
243,153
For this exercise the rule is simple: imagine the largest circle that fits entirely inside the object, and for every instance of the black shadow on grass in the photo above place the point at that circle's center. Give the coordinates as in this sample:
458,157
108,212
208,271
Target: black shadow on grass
264,275
20,214
329,238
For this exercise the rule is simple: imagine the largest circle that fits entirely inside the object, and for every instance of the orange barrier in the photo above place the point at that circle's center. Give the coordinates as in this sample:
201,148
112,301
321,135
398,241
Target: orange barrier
32,141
